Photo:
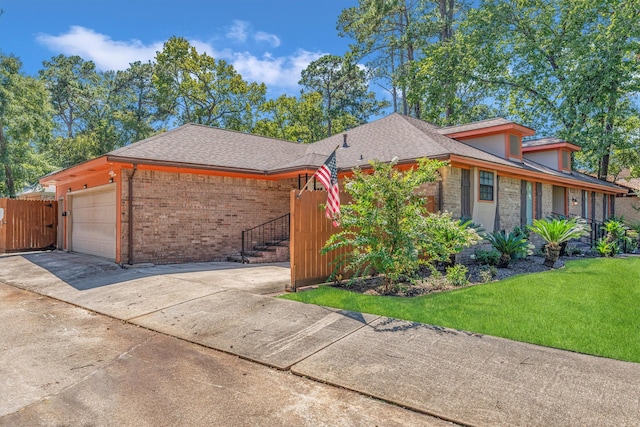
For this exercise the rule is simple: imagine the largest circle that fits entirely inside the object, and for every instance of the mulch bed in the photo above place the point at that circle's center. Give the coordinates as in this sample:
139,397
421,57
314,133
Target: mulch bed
428,284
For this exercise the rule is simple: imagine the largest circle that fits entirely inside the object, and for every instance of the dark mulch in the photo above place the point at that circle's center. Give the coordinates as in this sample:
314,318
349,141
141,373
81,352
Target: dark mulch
428,284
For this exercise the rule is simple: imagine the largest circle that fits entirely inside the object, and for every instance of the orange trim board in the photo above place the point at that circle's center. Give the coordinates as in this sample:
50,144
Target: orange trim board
493,130
503,170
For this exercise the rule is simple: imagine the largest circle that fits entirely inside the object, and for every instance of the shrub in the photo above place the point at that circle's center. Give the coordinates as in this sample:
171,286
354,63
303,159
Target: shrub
487,257
457,275
487,273
508,245
604,248
388,229
556,232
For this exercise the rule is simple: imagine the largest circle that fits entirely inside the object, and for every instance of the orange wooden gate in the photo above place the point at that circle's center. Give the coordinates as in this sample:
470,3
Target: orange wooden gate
310,229
27,225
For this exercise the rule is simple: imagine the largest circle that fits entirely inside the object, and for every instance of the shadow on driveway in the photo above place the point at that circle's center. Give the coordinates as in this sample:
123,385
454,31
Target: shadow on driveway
85,272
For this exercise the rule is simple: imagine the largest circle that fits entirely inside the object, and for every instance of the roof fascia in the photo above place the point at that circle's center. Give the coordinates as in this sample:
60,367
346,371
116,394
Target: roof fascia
549,147
513,172
492,130
68,173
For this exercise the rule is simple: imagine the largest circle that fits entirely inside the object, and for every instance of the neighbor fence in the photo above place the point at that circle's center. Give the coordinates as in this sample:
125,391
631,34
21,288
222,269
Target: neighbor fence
27,225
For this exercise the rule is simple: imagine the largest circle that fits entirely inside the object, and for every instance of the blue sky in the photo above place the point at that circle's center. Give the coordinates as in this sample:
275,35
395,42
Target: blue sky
268,41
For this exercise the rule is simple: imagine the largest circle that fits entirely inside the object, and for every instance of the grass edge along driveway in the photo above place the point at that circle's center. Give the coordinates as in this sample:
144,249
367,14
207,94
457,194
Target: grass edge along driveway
591,306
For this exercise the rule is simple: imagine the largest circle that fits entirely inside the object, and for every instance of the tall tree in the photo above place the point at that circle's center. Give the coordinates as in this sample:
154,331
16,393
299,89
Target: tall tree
344,89
566,67
138,113
293,119
25,121
194,87
388,33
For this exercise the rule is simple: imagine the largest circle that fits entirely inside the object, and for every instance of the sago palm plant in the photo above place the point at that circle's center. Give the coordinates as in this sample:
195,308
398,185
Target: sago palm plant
557,231
508,245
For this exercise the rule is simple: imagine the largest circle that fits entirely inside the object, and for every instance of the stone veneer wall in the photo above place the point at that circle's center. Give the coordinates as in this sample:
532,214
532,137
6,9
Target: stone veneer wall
180,217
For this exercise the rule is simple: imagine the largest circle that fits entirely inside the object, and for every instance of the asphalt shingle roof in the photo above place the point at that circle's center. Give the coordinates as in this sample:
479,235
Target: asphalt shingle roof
393,136
199,145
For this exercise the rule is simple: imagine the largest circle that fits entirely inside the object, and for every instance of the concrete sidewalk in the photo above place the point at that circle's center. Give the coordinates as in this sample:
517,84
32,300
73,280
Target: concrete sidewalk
465,378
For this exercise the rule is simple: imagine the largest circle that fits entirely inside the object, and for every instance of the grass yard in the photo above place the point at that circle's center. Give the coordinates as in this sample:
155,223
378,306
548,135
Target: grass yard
591,306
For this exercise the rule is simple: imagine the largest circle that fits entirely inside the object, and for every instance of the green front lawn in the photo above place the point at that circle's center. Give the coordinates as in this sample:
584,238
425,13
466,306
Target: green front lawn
591,306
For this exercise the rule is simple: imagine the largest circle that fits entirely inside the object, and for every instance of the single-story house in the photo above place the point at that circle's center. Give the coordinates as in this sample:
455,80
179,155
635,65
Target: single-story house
628,203
186,195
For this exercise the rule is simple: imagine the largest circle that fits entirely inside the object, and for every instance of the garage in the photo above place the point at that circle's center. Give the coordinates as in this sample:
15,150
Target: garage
93,222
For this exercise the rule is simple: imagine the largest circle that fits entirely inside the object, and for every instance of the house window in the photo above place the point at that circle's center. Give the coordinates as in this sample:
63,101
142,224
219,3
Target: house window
566,161
585,204
514,146
486,186
526,203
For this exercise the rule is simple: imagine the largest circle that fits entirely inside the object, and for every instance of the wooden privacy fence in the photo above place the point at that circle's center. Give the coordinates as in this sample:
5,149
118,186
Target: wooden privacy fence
27,225
310,229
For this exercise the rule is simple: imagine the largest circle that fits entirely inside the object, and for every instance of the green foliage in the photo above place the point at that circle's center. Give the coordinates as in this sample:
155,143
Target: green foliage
487,273
25,125
555,232
344,89
457,275
618,238
508,245
387,226
573,59
197,88
605,248
487,257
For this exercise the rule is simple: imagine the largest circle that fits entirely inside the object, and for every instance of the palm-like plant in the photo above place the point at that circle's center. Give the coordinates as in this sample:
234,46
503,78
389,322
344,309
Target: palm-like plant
508,245
557,231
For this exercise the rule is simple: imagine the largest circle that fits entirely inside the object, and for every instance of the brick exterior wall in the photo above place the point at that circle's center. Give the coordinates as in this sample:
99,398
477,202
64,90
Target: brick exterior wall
547,200
451,188
179,217
509,204
625,207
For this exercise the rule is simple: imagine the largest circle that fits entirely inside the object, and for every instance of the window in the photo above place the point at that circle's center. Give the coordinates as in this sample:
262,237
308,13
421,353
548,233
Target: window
585,204
566,161
514,146
486,186
526,203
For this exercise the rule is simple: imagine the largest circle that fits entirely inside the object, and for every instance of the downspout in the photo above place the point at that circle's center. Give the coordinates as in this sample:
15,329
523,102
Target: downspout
130,255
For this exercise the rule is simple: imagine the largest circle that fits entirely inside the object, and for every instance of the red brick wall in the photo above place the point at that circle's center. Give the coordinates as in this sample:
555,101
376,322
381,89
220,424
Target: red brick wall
196,218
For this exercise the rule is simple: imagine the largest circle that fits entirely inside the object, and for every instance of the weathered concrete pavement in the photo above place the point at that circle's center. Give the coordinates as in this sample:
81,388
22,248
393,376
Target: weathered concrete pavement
466,378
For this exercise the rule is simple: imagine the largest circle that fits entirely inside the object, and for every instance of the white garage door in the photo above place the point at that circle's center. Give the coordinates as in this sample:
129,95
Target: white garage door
93,229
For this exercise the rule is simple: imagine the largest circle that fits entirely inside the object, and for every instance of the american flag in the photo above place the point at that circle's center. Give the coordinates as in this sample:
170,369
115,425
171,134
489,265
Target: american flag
328,176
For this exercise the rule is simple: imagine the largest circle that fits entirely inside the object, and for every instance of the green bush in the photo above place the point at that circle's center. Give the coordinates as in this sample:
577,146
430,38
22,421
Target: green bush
457,275
508,245
556,232
487,257
387,228
487,273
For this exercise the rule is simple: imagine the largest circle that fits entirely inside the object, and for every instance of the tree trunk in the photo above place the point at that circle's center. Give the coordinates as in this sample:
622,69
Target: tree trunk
552,253
504,260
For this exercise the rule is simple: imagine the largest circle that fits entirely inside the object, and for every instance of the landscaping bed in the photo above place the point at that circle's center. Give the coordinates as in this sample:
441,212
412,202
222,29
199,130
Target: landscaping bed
428,284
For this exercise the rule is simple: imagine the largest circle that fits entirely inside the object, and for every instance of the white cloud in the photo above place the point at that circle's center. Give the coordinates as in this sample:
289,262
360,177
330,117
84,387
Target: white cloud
272,39
279,73
276,72
106,53
238,31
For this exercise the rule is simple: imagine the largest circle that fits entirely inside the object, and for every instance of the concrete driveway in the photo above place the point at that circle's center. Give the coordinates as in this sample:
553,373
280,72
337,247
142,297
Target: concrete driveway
466,378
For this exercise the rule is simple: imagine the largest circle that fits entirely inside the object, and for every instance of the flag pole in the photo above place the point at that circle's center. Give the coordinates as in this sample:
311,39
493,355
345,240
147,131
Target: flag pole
314,174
